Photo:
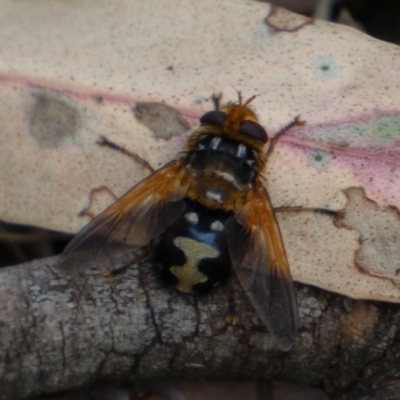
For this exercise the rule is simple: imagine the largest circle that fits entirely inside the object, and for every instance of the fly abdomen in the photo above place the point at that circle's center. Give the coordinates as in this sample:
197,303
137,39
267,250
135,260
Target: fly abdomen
193,252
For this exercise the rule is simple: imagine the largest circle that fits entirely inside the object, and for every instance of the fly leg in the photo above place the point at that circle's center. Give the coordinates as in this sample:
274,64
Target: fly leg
103,141
111,275
338,214
295,122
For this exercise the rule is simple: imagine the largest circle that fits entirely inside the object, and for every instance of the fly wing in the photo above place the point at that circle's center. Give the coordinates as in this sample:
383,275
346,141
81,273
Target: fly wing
131,222
259,259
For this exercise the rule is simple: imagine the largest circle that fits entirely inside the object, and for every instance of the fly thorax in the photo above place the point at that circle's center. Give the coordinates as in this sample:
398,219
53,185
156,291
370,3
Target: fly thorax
220,166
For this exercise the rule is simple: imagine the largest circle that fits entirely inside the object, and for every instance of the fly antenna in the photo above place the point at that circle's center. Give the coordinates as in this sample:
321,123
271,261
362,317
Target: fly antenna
249,100
239,94
216,99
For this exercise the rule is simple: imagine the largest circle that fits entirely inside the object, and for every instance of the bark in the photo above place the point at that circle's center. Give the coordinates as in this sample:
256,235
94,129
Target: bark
61,333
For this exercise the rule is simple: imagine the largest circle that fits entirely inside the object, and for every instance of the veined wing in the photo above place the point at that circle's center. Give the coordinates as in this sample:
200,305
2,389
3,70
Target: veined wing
131,222
260,262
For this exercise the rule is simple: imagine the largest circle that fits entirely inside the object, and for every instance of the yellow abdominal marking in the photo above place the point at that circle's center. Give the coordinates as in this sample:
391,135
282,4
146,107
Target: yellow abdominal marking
188,274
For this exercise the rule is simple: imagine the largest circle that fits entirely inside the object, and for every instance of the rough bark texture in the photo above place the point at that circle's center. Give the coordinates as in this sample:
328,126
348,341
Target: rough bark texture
61,333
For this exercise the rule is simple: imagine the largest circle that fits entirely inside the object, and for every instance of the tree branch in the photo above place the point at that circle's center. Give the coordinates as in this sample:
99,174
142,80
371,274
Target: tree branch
61,333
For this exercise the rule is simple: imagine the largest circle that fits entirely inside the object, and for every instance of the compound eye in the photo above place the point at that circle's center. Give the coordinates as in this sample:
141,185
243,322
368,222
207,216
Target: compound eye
213,117
254,130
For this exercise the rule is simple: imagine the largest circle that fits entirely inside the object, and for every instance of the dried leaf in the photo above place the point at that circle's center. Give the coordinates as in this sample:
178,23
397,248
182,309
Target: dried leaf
73,71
